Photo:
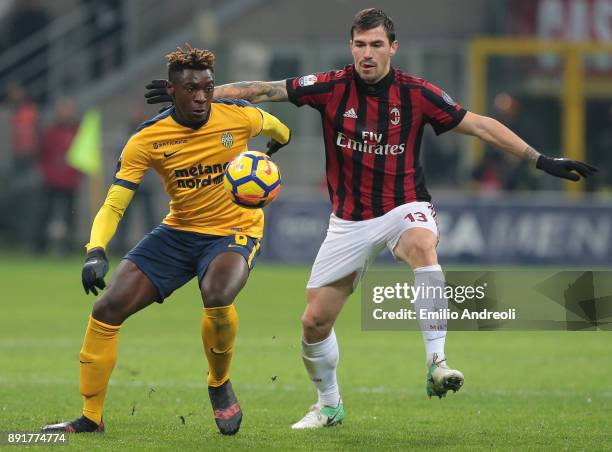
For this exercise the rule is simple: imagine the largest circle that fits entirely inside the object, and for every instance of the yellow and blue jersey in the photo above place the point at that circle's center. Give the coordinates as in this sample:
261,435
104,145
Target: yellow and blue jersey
191,163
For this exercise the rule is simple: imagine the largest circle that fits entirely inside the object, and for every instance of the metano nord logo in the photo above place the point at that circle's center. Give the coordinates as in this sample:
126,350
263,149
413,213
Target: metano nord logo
200,175
227,139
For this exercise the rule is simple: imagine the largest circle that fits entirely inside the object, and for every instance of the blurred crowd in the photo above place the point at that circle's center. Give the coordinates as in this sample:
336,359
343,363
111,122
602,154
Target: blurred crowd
40,190
40,182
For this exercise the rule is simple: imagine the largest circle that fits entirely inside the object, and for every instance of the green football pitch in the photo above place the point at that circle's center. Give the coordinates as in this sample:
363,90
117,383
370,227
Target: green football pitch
523,390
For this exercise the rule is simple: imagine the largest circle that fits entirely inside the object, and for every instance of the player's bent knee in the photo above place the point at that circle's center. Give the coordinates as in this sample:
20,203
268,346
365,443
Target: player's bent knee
226,276
111,309
115,306
421,250
417,252
316,327
218,299
129,291
217,293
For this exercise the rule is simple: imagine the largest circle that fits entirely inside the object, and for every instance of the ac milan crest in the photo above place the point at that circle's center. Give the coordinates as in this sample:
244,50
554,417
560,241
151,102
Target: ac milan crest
394,116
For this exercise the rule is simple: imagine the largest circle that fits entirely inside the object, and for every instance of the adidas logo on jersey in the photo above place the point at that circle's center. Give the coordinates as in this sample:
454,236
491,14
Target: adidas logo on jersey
350,114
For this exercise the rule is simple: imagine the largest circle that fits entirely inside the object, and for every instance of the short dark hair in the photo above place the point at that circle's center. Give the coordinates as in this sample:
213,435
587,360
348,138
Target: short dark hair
189,59
371,18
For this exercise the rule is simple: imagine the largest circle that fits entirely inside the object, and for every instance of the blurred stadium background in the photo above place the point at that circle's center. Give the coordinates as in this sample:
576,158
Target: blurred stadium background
543,67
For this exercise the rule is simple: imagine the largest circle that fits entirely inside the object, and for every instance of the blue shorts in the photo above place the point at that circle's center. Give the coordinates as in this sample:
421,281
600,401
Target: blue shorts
171,258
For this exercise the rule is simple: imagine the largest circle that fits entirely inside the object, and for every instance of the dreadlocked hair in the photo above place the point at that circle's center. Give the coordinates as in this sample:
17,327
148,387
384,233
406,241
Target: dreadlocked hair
190,58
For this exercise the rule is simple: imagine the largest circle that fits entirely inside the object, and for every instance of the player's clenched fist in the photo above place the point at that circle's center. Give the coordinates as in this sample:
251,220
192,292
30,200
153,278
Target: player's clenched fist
94,270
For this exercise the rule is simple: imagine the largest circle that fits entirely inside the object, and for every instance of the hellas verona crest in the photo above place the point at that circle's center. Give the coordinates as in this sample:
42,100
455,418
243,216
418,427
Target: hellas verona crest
227,139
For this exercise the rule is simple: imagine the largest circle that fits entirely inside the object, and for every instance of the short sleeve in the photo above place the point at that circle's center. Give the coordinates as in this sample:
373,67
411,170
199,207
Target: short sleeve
313,90
132,165
255,120
439,109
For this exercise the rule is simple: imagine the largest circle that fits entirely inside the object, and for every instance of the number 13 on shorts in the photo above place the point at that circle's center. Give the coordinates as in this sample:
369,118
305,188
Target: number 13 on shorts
416,216
420,214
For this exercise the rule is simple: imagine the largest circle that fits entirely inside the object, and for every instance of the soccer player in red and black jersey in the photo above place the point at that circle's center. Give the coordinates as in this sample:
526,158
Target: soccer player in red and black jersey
373,116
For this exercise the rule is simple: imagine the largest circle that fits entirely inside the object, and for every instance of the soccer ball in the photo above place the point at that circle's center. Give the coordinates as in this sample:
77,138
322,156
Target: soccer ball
252,180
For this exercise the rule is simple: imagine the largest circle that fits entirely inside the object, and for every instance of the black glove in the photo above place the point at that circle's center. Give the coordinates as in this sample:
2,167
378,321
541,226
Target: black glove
94,270
156,93
273,146
560,167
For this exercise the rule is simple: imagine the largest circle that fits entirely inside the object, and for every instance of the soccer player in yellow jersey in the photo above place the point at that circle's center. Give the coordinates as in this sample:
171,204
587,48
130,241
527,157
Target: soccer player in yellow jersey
204,234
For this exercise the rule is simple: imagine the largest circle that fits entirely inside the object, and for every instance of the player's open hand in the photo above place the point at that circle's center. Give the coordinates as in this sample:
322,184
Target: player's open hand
565,168
94,270
156,92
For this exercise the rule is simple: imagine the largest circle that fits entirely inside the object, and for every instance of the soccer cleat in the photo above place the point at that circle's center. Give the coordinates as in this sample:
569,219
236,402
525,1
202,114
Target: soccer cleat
228,414
80,425
440,378
321,416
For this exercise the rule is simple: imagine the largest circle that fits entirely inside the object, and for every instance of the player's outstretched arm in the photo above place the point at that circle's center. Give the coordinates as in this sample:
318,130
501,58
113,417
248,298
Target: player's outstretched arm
103,228
498,135
254,92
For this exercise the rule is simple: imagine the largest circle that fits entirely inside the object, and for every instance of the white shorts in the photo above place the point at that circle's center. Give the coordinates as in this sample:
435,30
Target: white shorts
350,246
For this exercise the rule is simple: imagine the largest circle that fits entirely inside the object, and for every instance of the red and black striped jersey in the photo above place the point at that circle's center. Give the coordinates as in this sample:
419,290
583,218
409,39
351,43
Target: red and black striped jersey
372,135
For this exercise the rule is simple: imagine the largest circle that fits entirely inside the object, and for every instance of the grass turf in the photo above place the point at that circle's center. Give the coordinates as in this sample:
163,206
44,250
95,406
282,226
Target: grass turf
524,390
